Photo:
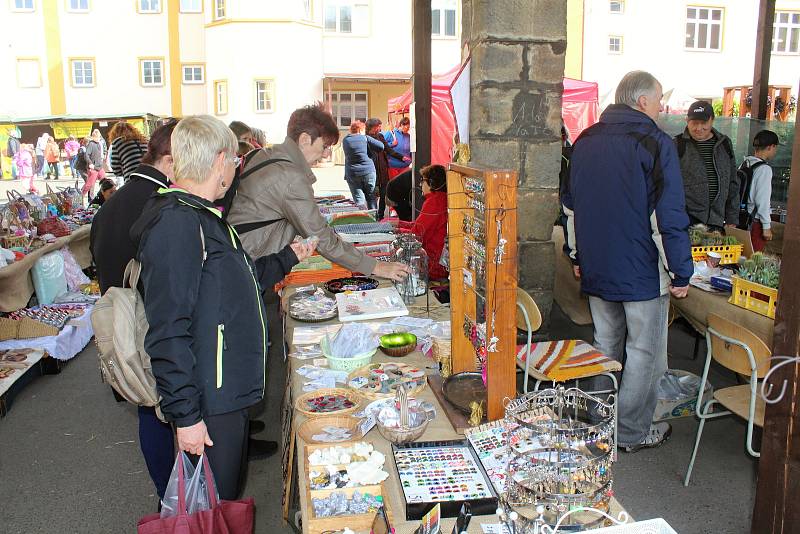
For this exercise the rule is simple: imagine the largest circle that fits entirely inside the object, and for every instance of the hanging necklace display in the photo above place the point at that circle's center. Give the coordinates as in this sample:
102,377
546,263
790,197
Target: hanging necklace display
408,250
562,446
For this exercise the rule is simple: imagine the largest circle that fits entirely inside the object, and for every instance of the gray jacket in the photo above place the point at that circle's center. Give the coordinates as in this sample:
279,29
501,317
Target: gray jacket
94,154
725,206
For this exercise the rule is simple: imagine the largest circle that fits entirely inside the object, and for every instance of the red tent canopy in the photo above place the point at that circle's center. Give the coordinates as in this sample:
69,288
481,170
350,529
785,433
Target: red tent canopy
580,109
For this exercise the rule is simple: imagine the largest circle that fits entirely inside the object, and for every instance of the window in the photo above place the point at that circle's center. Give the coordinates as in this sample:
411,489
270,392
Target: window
349,106
339,16
221,97
265,95
28,73
615,44
151,72
704,28
78,6
616,6
786,33
194,74
22,5
149,6
82,72
308,10
191,6
443,18
219,9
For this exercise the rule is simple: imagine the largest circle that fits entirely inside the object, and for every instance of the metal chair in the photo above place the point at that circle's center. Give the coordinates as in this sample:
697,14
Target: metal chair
741,351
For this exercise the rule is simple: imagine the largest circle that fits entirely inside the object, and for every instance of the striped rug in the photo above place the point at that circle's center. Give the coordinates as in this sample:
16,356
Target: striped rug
567,359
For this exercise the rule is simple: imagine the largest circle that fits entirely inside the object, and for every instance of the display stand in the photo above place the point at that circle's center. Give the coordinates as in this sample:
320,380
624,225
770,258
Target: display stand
482,228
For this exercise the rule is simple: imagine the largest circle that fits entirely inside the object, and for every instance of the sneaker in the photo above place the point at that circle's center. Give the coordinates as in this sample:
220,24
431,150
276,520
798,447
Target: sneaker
659,433
258,449
257,426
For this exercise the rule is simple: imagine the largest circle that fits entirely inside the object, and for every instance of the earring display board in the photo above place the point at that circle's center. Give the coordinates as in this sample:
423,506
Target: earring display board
482,227
442,472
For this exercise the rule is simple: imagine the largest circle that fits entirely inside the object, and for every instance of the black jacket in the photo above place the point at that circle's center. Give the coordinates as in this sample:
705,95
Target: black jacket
207,339
110,242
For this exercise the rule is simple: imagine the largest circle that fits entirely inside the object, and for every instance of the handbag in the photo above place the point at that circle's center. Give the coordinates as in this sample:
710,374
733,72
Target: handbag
223,517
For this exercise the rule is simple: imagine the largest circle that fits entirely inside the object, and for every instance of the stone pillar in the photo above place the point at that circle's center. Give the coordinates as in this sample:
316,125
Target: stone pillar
518,49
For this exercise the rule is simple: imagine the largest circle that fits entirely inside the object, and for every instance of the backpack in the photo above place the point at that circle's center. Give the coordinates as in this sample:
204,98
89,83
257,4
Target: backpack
120,325
680,141
80,164
745,175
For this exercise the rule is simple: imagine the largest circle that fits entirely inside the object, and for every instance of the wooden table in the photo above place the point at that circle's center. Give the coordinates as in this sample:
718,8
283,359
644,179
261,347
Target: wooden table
438,429
16,284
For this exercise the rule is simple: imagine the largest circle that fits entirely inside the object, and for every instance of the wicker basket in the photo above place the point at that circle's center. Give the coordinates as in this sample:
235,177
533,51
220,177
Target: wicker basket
24,328
372,395
312,427
441,353
300,403
15,241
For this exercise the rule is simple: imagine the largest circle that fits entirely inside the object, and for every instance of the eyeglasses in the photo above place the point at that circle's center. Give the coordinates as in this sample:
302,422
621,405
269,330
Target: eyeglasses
237,160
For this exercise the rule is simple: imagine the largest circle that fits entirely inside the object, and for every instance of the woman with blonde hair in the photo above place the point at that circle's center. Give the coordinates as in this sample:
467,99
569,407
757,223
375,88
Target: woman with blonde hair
207,338
128,147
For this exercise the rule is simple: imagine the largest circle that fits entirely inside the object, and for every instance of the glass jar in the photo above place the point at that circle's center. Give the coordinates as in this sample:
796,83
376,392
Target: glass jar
408,251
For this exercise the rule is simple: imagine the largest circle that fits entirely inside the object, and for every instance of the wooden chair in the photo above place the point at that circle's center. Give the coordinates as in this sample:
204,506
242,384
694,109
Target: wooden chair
741,351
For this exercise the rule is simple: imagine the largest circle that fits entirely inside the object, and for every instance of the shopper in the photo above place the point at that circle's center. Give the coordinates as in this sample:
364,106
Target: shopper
708,167
431,223
128,146
106,189
380,160
24,160
400,140
71,147
276,202
207,338
112,248
13,146
399,194
243,133
757,194
94,163
627,237
359,170
52,155
41,144
96,135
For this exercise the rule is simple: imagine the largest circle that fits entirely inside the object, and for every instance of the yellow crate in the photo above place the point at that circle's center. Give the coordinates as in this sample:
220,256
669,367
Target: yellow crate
730,253
754,297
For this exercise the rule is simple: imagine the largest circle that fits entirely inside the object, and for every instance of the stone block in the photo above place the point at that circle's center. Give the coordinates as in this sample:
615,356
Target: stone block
536,264
547,62
498,153
497,62
490,111
542,165
529,20
537,209
544,301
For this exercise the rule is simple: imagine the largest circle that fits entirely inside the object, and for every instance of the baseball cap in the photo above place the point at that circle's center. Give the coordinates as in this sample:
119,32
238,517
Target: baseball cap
700,111
765,138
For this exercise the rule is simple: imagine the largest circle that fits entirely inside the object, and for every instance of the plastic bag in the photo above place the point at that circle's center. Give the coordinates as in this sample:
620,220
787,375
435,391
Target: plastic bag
196,479
48,276
674,386
72,271
353,339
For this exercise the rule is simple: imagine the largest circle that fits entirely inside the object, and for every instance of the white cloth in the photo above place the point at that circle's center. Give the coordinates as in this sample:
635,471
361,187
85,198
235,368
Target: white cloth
75,335
760,192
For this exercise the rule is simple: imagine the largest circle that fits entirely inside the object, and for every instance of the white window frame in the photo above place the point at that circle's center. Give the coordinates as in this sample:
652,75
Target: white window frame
338,5
336,107
308,9
190,67
23,9
143,77
790,26
72,9
268,92
610,48
443,6
709,23
220,10
33,85
149,10
73,73
620,4
220,91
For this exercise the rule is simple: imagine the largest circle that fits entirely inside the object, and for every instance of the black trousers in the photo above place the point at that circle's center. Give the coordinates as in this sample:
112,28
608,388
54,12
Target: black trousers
228,456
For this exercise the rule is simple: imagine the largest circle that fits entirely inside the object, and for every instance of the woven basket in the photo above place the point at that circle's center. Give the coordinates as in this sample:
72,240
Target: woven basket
300,403
441,353
311,427
372,395
15,241
24,328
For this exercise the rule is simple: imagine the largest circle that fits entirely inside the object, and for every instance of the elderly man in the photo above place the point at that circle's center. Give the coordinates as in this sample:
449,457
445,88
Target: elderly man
275,201
708,166
626,236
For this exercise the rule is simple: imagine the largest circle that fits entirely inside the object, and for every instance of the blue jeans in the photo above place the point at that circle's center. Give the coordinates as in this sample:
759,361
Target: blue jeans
637,330
158,448
363,190
72,161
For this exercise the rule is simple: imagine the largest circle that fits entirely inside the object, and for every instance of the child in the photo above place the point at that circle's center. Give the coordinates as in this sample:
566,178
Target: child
765,145
24,161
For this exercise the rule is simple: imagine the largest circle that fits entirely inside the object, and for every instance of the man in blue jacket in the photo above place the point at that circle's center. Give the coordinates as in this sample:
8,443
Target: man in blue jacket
627,238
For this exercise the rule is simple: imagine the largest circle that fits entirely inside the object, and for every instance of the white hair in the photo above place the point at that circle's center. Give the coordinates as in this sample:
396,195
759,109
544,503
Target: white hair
196,142
634,85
